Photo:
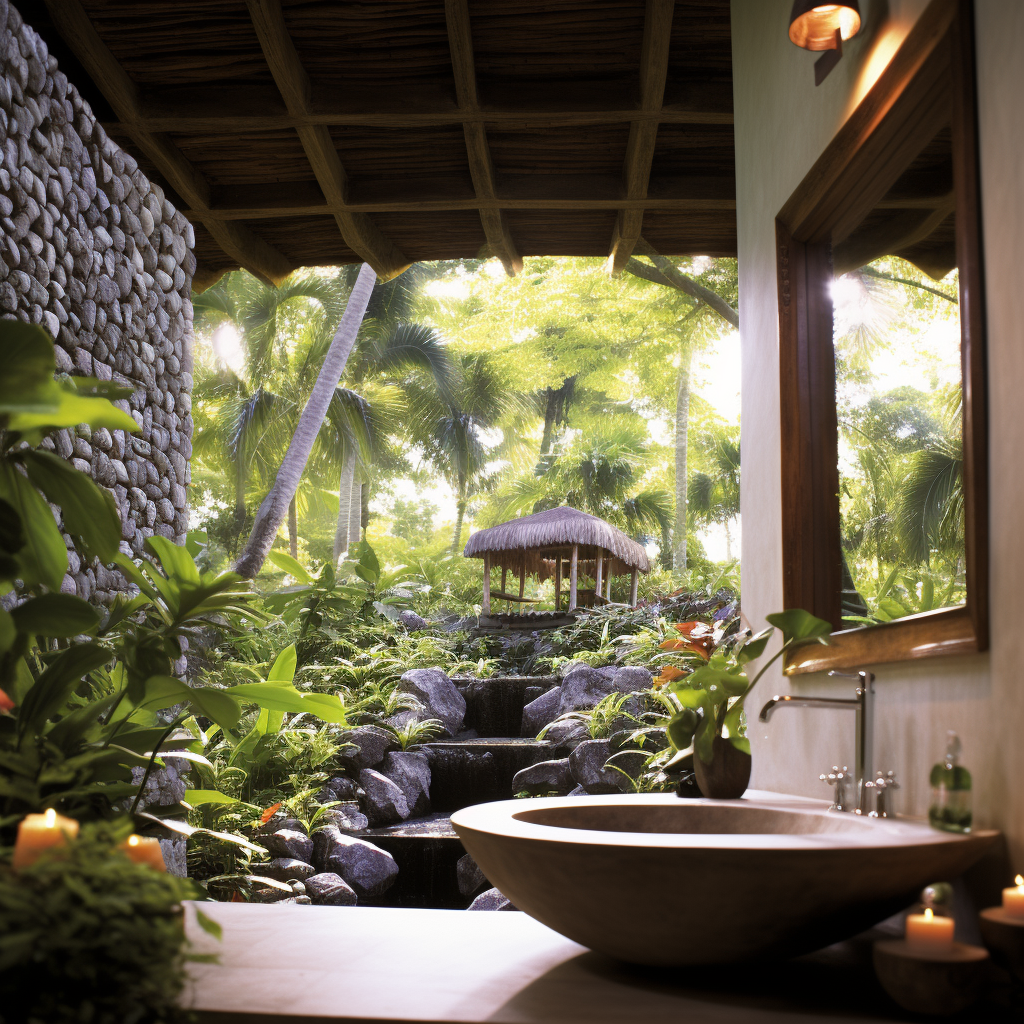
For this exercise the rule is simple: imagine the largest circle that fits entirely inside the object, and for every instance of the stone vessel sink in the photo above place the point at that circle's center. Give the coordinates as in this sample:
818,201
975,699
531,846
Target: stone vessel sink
653,879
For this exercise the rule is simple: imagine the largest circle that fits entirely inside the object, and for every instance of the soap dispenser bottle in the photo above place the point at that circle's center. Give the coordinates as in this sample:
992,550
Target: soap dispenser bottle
950,808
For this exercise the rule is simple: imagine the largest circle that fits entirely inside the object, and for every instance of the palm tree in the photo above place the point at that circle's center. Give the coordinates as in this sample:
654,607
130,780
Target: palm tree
275,505
714,497
452,426
599,471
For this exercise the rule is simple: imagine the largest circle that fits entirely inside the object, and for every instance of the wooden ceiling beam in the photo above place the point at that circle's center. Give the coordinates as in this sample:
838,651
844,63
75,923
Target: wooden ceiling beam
636,171
481,167
238,242
359,232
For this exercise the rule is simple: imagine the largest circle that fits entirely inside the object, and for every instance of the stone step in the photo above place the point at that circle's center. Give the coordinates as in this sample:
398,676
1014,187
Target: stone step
475,771
427,852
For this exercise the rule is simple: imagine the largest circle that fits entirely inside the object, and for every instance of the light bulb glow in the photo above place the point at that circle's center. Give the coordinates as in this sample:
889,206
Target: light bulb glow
133,840
815,29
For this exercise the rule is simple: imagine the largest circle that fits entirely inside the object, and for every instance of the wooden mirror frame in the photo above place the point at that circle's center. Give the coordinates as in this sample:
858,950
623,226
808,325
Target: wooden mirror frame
930,78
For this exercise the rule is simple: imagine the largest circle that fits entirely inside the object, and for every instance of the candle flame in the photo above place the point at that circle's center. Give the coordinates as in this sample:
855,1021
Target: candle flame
50,817
133,840
928,915
1019,881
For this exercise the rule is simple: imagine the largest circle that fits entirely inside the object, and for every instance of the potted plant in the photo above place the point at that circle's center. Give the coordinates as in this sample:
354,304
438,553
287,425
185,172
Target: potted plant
712,697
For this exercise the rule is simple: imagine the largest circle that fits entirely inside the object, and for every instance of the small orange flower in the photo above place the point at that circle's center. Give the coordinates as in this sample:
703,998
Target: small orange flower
270,812
668,673
700,638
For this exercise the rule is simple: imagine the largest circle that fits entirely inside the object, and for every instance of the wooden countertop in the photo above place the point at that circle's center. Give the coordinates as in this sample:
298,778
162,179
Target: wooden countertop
291,964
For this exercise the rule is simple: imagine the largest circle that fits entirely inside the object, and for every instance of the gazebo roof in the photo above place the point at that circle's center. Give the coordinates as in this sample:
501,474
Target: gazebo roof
312,132
558,528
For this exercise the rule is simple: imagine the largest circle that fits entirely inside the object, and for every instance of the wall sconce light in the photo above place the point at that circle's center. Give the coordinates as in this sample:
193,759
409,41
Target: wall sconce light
818,26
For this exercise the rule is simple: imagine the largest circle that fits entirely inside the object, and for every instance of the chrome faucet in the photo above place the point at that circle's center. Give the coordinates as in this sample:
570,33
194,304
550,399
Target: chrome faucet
863,703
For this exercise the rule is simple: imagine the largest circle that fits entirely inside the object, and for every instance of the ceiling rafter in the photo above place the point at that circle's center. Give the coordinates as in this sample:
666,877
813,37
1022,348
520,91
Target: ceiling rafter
636,171
358,230
481,167
239,242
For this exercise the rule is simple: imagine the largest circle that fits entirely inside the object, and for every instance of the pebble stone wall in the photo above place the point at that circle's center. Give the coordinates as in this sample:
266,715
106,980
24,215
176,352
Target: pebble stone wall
93,250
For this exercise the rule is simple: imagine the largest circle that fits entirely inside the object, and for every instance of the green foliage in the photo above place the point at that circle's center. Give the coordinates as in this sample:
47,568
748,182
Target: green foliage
89,937
711,697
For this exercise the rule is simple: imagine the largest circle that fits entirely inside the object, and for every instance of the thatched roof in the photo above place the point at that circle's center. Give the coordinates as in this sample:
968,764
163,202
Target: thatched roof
316,132
531,539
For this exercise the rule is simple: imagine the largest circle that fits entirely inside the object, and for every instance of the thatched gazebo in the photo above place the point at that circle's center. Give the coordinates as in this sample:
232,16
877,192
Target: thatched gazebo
540,545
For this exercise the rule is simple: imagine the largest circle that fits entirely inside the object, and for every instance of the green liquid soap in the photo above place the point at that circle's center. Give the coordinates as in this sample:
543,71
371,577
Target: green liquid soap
950,808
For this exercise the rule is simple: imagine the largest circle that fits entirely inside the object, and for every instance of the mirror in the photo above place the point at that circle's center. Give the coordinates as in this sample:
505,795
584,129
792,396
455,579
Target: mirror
884,472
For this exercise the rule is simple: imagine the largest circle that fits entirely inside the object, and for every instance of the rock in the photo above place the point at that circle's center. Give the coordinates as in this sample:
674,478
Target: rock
343,787
587,765
469,875
631,678
412,621
278,823
289,844
491,900
369,744
328,889
346,818
545,777
584,686
284,869
540,712
438,695
411,773
325,841
369,870
578,791
270,894
568,733
384,803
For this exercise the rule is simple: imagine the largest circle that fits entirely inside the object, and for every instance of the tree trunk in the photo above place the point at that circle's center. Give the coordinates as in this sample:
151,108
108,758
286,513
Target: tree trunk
275,506
344,497
550,409
293,529
682,429
355,513
459,516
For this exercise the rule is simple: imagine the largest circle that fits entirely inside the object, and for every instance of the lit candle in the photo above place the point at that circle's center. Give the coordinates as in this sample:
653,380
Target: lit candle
1013,899
928,932
39,832
144,850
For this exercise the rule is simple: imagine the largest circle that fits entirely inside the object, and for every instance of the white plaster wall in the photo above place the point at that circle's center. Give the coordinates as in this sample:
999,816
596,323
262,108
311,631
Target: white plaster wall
782,124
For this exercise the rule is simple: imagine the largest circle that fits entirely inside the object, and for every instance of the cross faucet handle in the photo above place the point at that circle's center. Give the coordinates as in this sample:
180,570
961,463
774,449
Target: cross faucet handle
884,787
839,778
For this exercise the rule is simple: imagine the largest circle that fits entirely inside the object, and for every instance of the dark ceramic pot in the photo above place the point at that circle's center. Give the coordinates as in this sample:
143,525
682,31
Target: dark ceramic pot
727,776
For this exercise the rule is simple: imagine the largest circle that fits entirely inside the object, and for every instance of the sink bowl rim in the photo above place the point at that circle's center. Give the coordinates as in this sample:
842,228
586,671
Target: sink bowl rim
503,818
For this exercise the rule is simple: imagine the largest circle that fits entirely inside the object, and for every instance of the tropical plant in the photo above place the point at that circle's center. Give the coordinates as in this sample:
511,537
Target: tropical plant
711,698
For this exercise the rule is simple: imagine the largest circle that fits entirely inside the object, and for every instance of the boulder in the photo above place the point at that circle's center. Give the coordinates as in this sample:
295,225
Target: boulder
369,870
568,733
284,869
491,900
412,621
471,879
411,773
540,712
545,777
587,765
438,694
278,823
584,686
366,746
325,841
631,678
345,817
329,889
384,802
578,791
288,843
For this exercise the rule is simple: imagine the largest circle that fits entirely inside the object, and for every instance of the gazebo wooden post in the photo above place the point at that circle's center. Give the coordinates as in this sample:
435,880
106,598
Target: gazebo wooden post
632,587
609,583
600,572
558,582
504,574
487,584
573,575
522,579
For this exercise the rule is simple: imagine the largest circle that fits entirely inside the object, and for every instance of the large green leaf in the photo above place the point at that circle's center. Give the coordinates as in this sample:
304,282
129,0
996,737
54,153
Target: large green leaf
64,408
198,797
798,625
278,697
734,683
681,729
29,366
753,647
290,565
56,615
89,511
283,669
165,691
44,556
176,561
